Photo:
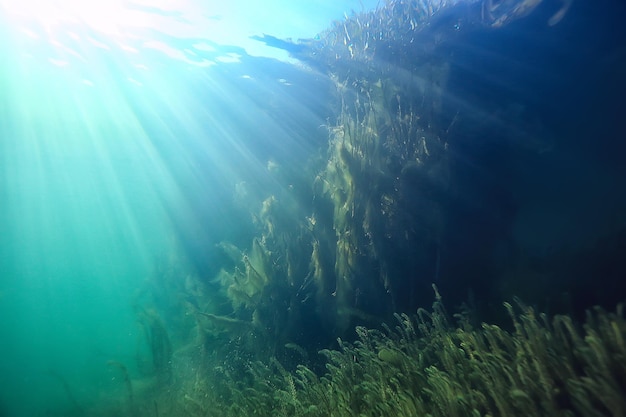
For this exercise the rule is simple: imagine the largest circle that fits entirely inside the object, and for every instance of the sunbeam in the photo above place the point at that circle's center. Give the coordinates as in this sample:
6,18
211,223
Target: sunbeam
198,197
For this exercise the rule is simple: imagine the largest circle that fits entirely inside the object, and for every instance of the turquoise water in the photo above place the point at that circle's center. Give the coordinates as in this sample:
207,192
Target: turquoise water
82,228
113,149
140,161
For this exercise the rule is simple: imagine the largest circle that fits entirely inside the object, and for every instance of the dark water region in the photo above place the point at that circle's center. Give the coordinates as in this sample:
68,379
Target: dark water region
182,235
532,197
551,188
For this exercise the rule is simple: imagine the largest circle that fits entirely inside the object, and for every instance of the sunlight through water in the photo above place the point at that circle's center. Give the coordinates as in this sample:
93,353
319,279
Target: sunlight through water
189,187
125,128
105,16
226,23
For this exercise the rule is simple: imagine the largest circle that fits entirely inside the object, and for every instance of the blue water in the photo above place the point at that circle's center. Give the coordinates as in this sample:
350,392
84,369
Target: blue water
130,156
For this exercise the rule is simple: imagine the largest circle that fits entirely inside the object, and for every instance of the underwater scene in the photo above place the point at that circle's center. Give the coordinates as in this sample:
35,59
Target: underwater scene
324,208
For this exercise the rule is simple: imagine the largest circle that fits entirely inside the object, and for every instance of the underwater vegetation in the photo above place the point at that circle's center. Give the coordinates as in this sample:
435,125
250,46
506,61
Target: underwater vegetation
372,211
370,227
424,365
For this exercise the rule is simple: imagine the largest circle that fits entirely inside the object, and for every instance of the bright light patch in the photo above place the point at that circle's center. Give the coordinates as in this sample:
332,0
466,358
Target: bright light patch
108,16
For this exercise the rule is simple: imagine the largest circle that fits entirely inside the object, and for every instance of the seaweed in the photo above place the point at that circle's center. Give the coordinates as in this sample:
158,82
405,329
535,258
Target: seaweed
426,365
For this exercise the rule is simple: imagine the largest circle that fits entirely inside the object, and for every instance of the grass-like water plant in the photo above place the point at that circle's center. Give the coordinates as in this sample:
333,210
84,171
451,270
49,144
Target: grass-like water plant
427,366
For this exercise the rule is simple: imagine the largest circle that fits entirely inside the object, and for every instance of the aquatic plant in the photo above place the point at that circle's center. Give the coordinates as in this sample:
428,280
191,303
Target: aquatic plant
425,365
264,289
392,31
158,343
383,154
376,223
386,152
128,385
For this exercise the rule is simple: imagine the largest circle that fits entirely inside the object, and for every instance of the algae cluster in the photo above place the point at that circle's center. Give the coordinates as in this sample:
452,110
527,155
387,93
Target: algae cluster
358,242
427,366
372,208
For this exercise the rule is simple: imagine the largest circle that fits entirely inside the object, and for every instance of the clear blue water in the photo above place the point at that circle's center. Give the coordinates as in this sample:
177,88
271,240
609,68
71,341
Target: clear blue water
130,153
